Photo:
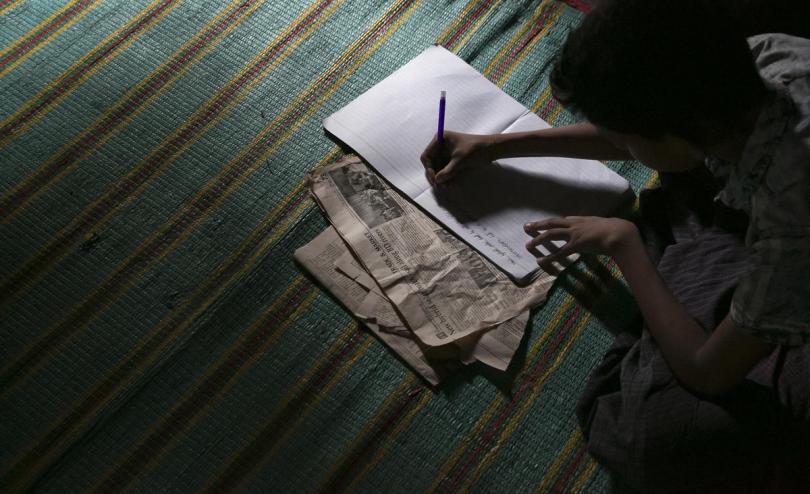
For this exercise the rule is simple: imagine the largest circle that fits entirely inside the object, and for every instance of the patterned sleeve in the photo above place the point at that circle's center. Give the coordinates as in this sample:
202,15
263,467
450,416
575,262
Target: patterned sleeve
773,301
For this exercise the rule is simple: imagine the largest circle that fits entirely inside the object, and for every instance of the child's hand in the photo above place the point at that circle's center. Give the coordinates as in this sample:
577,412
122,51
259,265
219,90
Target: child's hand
459,151
582,234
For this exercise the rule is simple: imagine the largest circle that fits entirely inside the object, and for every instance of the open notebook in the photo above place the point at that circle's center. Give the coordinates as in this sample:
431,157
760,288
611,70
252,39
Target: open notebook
390,124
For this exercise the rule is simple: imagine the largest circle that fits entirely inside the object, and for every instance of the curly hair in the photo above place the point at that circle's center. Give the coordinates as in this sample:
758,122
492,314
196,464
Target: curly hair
657,67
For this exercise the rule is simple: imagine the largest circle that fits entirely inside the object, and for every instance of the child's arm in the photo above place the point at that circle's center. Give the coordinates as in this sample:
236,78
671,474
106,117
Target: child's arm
580,140
461,151
707,364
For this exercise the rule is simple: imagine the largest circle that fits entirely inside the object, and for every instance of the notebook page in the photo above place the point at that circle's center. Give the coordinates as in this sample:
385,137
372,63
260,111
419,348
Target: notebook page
390,124
488,206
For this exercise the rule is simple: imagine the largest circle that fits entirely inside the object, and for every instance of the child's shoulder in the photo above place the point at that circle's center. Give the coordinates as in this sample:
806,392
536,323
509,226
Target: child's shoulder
780,145
774,175
780,57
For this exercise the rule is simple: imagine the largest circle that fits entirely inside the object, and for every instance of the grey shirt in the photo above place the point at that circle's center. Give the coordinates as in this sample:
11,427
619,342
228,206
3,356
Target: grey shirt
771,182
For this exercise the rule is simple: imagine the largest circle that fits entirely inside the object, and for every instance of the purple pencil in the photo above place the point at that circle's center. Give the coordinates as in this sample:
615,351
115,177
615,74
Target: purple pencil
440,134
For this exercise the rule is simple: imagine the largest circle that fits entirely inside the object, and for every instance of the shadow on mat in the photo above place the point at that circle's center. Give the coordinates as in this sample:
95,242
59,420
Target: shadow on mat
595,289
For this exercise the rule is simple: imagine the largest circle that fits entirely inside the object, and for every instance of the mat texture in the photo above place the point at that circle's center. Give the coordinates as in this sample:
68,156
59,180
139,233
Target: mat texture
156,333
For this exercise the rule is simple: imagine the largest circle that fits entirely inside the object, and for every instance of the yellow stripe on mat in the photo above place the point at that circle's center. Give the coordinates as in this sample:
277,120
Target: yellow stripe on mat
495,405
105,291
296,393
362,436
555,113
34,459
334,380
558,9
389,440
457,22
516,418
32,103
390,30
478,23
524,28
585,475
47,38
562,456
461,19
137,455
10,6
79,149
542,99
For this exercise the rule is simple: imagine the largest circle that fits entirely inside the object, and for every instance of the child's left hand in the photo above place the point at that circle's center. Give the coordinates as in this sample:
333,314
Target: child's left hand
582,234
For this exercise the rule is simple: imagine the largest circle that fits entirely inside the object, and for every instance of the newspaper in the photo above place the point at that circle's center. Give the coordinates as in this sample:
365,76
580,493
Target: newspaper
443,290
330,261
494,347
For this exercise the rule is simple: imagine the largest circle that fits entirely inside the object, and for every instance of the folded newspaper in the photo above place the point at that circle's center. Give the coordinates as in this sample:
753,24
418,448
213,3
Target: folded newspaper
446,294
328,258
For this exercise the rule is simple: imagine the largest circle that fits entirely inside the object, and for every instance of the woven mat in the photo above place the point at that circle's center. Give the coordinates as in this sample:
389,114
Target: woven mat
156,334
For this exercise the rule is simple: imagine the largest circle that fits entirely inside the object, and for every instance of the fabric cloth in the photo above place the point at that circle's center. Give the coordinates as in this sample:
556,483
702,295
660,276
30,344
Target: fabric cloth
639,420
772,183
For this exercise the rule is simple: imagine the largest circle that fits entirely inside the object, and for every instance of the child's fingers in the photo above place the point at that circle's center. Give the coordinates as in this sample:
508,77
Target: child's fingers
557,256
553,267
549,268
447,172
553,263
428,152
533,226
547,236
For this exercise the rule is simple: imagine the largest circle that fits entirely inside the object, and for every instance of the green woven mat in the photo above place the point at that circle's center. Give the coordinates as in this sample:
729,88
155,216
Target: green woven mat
156,334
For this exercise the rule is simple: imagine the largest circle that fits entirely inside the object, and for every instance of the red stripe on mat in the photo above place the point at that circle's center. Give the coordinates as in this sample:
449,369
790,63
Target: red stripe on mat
65,83
562,480
538,25
580,5
266,439
202,395
53,25
372,442
506,411
467,24
44,176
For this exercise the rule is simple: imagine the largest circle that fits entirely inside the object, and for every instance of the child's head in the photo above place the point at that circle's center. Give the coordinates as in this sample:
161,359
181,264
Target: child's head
664,70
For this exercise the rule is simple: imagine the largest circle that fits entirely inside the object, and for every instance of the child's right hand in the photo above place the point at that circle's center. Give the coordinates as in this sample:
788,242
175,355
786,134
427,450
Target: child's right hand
458,152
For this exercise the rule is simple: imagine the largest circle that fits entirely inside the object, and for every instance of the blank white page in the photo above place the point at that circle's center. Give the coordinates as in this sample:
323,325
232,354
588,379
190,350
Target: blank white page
390,124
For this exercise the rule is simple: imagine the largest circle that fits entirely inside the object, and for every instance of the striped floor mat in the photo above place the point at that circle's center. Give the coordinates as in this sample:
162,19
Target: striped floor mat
156,334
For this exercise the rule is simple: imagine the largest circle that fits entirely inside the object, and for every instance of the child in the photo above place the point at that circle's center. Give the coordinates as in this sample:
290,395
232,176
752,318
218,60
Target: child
718,379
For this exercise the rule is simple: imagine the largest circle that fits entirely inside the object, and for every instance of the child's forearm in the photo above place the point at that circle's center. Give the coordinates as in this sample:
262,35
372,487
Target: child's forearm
709,364
678,335
573,141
